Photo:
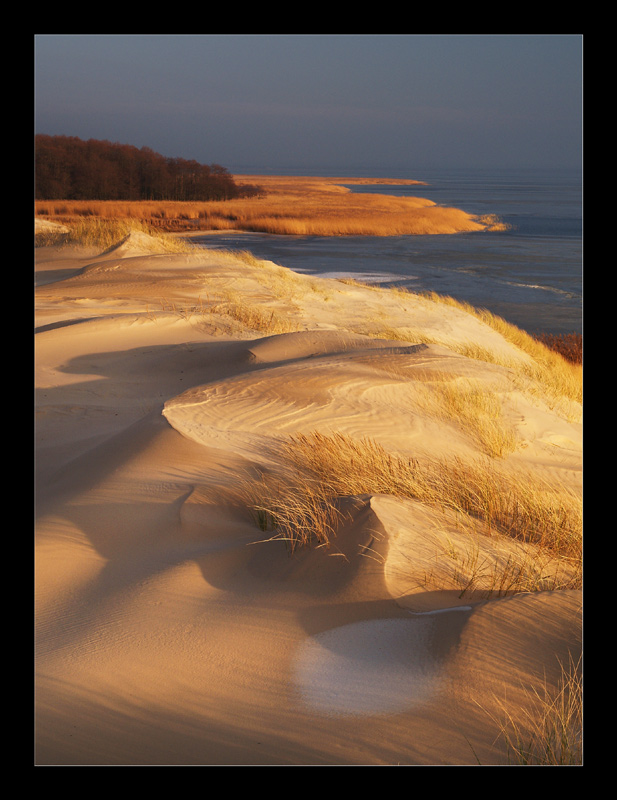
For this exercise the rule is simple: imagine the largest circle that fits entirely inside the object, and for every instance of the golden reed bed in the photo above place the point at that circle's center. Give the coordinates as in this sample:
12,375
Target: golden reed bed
288,205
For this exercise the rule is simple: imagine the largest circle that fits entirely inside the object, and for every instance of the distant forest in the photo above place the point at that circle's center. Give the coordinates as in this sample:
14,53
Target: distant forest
68,168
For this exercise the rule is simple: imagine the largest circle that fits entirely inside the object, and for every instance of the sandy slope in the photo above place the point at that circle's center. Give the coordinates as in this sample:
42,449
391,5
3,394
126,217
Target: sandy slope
165,635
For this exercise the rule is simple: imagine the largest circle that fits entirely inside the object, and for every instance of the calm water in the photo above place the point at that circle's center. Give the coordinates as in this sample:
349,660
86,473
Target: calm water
530,275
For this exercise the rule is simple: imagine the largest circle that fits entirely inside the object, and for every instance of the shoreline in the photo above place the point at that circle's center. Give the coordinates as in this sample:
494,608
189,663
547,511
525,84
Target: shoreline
560,329
573,334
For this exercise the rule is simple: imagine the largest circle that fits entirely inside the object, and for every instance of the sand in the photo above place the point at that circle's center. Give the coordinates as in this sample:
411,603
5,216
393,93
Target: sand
167,631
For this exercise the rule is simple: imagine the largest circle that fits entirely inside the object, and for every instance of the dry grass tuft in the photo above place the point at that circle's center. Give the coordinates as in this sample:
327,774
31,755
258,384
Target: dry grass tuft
488,567
235,306
551,732
323,469
509,503
245,256
230,306
103,234
476,409
546,373
299,510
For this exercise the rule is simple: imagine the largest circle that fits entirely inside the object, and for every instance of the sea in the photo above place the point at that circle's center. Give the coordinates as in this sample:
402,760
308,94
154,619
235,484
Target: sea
530,274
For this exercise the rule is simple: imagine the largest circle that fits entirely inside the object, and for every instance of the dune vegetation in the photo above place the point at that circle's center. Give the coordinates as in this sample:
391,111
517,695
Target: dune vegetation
304,508
555,362
569,345
102,233
550,734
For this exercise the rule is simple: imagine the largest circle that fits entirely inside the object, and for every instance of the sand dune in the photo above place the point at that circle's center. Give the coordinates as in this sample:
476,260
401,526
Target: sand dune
170,629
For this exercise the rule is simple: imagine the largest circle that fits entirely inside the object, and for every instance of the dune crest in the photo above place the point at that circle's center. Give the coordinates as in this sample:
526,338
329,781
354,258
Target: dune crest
177,623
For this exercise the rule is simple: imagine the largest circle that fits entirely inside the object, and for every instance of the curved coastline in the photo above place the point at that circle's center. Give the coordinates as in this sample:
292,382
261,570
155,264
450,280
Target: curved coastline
308,206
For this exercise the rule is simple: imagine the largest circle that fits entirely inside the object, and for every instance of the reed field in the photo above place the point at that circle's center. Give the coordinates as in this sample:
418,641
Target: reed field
297,206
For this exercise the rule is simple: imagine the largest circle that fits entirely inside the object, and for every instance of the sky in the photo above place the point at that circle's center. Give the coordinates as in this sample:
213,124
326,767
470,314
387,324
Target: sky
285,103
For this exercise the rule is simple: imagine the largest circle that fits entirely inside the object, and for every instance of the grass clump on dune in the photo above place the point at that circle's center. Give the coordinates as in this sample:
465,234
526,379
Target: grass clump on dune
550,733
299,510
304,509
233,305
544,370
559,376
102,234
513,504
477,410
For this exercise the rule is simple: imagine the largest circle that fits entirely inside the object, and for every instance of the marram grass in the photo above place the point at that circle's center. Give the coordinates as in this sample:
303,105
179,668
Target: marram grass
302,508
550,732
102,234
558,376
543,373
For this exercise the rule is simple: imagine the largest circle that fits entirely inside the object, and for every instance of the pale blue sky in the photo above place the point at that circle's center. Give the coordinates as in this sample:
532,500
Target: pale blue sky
311,101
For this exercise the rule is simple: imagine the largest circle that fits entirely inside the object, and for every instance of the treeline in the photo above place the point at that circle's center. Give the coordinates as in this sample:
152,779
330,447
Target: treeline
68,168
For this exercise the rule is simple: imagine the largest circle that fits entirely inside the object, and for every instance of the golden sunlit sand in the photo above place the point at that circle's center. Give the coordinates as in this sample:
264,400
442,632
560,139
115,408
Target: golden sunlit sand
284,520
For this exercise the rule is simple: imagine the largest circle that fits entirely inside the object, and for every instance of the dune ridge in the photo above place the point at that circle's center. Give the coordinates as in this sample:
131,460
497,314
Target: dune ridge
174,624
